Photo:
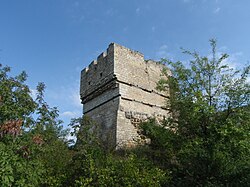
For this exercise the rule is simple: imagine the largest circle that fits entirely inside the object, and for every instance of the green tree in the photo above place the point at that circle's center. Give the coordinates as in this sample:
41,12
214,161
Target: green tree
206,140
49,134
16,103
93,165
28,144
17,165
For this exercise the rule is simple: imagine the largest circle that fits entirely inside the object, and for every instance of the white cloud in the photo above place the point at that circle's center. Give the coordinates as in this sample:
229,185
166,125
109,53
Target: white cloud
67,98
70,114
33,93
233,60
69,137
70,94
223,49
75,98
162,51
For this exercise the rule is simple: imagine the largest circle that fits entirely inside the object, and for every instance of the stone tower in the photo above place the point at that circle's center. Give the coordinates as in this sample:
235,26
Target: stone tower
118,91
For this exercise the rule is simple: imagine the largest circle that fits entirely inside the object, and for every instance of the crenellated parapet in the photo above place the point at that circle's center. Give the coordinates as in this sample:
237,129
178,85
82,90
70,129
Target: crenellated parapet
97,74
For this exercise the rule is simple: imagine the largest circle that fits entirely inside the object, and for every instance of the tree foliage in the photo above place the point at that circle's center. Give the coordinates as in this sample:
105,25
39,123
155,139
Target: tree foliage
204,142
206,139
93,165
30,135
34,149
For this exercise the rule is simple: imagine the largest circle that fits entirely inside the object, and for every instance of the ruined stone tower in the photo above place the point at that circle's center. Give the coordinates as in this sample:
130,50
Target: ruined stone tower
118,91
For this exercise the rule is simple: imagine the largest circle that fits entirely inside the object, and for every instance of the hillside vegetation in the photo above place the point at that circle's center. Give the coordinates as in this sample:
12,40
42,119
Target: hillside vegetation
205,142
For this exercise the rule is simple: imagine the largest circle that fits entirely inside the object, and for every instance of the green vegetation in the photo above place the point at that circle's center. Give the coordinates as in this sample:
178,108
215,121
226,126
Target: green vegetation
34,150
204,143
28,145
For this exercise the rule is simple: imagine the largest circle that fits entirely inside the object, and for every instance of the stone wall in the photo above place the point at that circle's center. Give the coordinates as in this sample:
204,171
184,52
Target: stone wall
105,116
118,91
98,74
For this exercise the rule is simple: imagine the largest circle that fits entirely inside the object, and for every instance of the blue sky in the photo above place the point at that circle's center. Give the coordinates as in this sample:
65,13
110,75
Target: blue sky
53,40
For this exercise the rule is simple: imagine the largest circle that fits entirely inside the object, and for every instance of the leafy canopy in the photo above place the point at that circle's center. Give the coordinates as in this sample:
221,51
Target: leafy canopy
29,143
206,139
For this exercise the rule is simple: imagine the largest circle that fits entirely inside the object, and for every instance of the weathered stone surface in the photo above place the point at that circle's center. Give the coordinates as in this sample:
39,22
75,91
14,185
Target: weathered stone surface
118,91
